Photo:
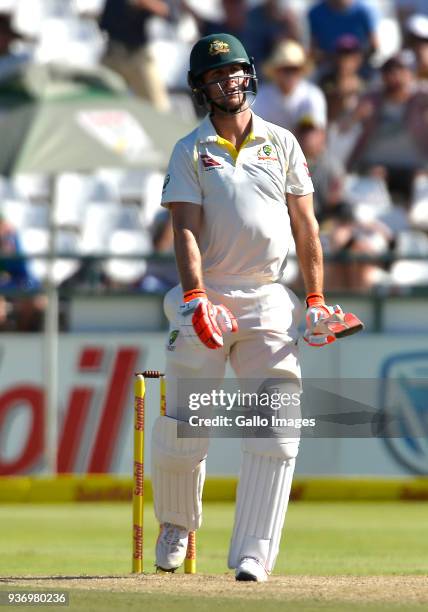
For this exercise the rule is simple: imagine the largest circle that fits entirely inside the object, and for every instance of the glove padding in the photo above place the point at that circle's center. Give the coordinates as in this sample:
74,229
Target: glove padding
205,322
325,324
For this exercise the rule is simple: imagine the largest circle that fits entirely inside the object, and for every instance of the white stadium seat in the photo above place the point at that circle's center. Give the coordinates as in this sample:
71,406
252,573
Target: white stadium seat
29,16
368,195
409,273
7,6
64,268
72,193
130,185
151,197
91,7
31,186
396,219
38,215
411,243
36,241
101,218
6,189
172,60
18,213
418,213
71,41
127,242
129,218
107,183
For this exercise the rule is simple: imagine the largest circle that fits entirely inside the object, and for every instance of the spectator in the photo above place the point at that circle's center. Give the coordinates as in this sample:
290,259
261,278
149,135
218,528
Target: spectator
9,59
258,28
128,52
289,96
344,236
394,119
327,171
417,38
331,19
406,8
342,85
161,275
14,275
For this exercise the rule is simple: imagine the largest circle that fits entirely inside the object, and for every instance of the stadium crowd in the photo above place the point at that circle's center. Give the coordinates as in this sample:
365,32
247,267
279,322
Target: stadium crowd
348,77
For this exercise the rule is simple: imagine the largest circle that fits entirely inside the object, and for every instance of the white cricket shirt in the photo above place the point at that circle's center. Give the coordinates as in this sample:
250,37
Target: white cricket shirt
307,100
245,233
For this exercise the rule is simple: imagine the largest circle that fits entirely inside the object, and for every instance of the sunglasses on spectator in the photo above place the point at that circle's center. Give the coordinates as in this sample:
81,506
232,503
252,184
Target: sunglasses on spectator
289,69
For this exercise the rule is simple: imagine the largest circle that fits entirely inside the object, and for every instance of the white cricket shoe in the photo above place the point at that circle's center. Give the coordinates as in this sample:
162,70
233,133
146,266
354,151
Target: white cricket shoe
171,547
250,569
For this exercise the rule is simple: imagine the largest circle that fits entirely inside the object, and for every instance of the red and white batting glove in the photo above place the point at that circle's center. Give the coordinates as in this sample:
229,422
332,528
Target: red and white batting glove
325,324
205,322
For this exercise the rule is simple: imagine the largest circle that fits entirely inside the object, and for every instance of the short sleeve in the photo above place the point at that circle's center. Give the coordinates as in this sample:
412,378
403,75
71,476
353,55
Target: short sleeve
298,179
181,182
319,107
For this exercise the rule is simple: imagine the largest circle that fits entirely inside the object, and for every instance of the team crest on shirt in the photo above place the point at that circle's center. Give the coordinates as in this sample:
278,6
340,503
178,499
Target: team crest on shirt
217,47
210,163
171,340
267,153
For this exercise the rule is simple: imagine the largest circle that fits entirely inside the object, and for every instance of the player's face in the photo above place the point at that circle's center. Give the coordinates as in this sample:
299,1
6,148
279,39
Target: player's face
225,86
288,77
396,77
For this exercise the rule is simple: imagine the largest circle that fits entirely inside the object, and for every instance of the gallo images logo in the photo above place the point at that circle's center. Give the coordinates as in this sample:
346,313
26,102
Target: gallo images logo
404,403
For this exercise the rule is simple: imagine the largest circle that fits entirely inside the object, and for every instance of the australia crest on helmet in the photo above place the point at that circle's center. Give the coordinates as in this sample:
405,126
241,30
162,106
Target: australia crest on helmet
216,47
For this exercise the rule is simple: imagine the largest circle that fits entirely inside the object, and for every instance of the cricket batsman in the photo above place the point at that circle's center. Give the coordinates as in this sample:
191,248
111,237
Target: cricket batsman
237,188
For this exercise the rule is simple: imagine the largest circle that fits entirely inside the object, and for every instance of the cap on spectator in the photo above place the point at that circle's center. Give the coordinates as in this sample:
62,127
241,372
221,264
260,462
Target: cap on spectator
309,122
403,59
417,25
286,54
347,43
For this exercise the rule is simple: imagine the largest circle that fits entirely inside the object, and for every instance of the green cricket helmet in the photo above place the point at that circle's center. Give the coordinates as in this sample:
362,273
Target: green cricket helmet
216,51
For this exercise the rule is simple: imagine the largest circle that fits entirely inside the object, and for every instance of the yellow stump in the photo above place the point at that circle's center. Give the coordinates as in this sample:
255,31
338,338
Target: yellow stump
190,560
138,488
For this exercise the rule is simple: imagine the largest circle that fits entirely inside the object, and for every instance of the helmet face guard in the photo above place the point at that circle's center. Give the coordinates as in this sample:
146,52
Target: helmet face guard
246,88
218,51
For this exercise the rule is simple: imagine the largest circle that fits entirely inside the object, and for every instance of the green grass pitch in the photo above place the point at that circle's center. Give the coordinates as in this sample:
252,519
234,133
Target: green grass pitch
320,539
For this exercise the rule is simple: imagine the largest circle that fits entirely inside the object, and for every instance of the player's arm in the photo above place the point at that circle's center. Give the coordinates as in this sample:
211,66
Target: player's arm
186,223
306,236
209,321
324,324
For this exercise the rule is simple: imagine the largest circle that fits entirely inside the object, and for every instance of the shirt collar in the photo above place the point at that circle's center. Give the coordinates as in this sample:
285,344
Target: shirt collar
207,133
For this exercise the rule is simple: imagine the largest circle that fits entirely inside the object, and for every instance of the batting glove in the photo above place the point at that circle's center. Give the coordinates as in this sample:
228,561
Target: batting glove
205,322
325,324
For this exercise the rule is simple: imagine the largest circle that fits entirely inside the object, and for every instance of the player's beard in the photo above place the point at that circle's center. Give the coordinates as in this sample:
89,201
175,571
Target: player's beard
224,103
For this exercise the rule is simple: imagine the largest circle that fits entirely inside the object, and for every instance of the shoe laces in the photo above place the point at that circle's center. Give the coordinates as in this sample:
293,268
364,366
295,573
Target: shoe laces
172,534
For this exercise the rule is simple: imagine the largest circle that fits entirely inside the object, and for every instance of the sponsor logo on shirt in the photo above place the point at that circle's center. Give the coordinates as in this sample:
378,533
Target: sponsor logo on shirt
217,47
307,169
267,153
209,162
